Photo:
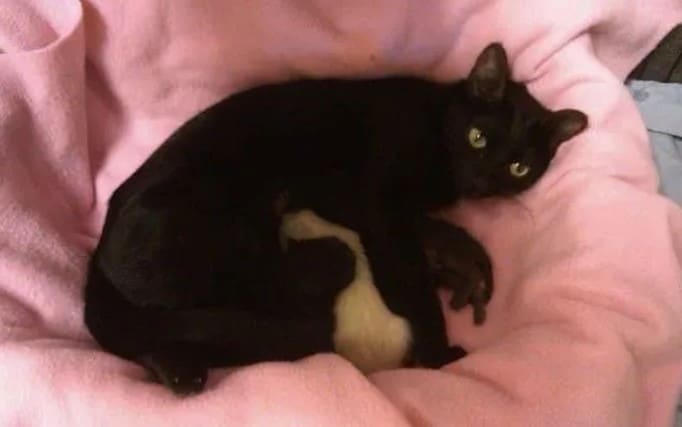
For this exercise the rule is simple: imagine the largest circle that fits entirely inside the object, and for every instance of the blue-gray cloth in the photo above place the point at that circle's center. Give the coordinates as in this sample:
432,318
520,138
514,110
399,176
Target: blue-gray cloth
661,107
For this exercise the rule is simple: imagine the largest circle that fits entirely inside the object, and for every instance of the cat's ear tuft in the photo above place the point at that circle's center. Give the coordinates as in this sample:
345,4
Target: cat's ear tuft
564,125
488,77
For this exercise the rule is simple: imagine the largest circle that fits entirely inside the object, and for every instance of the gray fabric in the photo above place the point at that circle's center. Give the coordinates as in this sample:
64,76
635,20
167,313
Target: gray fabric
661,107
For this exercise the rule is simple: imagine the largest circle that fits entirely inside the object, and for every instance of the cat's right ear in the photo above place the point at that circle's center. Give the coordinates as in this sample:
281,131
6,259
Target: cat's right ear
488,78
564,125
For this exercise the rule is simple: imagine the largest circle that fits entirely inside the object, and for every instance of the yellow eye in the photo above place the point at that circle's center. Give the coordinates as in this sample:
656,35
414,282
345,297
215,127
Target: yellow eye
518,170
476,138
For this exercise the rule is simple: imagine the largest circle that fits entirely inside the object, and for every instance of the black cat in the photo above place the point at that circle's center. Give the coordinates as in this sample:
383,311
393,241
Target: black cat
190,267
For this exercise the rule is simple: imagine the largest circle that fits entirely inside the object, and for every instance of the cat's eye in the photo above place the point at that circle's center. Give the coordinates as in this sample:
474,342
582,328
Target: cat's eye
476,138
518,170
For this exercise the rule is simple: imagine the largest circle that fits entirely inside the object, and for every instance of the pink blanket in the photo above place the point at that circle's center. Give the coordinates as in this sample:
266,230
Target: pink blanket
585,327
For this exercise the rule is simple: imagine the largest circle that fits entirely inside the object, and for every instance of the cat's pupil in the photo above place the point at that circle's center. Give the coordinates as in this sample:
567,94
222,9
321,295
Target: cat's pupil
476,138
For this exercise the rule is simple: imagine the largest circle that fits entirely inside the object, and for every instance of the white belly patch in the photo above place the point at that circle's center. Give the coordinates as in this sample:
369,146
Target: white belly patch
367,333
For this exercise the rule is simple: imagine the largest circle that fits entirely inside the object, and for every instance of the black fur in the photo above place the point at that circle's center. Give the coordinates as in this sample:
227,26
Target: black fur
189,271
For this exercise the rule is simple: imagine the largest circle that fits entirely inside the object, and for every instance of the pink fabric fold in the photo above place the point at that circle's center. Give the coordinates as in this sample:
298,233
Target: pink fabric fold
585,327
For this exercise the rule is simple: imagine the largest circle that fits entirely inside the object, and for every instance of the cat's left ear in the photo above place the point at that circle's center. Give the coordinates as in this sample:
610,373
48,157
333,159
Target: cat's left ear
488,77
563,125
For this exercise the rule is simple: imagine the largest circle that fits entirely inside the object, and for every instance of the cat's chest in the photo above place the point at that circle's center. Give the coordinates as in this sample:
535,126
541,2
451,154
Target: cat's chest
366,332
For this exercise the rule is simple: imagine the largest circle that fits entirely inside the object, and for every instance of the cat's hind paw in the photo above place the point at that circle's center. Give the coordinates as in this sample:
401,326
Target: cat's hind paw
181,375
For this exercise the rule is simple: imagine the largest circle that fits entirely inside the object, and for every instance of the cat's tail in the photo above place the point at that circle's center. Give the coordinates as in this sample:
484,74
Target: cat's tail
227,335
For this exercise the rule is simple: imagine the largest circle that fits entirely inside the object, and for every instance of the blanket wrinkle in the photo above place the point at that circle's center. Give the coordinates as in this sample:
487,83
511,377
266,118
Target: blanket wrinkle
585,327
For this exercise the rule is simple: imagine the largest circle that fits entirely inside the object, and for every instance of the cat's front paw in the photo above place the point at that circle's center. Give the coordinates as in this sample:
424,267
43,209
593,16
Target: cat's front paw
459,263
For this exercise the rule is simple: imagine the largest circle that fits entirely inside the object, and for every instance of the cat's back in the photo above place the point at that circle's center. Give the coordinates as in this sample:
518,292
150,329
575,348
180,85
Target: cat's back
293,121
248,123
275,132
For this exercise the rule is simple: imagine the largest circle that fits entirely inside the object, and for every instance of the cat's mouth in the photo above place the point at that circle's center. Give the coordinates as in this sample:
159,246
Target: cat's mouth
477,189
479,195
484,192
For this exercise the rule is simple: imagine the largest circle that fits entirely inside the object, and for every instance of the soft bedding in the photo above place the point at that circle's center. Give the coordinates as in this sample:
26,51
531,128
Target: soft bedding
585,327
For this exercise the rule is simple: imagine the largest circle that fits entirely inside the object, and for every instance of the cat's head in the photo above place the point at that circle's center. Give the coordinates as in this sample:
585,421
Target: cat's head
500,139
